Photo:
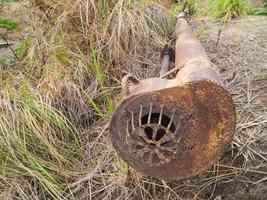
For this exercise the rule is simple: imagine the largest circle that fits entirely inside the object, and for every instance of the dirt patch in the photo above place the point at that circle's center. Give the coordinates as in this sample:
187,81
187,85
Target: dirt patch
241,56
14,12
239,53
242,172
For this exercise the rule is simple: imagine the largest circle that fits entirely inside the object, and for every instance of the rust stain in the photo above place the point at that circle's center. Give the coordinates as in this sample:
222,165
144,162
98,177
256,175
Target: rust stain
175,129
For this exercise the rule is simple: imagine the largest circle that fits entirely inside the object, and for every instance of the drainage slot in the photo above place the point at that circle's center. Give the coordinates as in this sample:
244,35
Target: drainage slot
149,132
160,134
153,120
165,120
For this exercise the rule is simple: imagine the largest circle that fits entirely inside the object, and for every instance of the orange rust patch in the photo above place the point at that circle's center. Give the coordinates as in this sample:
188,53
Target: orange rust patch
202,125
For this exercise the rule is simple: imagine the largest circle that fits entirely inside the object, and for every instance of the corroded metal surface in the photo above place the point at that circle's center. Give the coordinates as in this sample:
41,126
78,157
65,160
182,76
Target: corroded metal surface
178,128
174,133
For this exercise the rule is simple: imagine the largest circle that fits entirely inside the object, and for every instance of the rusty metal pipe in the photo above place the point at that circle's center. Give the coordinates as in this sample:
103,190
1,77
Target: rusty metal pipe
191,58
178,128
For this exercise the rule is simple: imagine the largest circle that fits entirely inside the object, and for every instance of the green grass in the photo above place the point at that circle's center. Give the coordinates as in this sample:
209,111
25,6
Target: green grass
52,136
9,1
21,50
259,11
264,3
31,149
8,24
94,104
54,139
19,53
100,78
228,9
192,5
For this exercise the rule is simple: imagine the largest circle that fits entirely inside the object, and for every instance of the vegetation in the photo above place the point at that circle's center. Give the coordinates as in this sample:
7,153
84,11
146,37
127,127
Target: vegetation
9,1
8,24
47,157
57,96
228,9
56,99
192,6
261,10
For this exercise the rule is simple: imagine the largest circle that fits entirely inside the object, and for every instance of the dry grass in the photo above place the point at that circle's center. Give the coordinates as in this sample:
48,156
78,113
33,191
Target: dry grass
56,103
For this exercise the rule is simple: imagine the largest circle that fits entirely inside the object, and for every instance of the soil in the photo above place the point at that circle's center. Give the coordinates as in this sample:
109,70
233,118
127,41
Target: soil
240,53
16,13
241,56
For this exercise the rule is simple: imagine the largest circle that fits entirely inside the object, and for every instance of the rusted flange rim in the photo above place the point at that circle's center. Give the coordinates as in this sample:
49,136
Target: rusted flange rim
174,133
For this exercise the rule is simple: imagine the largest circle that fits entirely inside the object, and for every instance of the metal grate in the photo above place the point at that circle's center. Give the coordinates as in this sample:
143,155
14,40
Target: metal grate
154,130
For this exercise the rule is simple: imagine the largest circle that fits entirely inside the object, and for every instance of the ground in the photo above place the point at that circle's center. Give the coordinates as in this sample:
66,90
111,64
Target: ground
14,12
241,58
239,49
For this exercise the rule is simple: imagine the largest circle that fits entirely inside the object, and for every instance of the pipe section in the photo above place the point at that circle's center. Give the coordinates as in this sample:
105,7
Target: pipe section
175,128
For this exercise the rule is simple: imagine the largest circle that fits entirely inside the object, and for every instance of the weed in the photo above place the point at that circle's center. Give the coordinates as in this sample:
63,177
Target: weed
56,101
100,79
21,50
27,148
8,24
52,140
228,9
179,6
259,11
61,52
192,4
94,104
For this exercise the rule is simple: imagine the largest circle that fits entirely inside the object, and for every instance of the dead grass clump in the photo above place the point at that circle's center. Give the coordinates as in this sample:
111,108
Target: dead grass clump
88,39
56,101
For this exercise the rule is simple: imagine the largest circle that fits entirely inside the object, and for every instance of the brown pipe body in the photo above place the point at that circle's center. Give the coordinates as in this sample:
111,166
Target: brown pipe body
191,62
191,58
174,129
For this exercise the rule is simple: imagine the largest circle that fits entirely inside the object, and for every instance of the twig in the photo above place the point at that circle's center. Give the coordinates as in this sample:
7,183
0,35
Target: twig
242,169
218,37
9,46
185,4
6,44
259,181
